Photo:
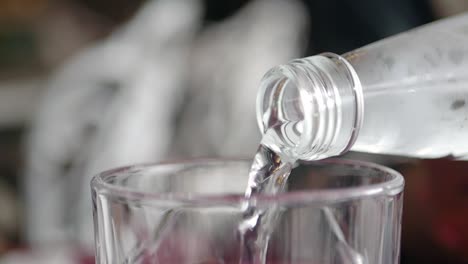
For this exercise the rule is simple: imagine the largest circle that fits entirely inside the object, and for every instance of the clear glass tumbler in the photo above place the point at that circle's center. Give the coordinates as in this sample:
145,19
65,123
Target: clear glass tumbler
333,212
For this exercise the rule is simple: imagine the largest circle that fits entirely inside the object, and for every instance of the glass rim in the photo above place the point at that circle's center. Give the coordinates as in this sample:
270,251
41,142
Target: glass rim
391,187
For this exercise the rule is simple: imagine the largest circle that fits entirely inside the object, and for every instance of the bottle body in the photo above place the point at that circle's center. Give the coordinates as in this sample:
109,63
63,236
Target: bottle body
415,88
405,95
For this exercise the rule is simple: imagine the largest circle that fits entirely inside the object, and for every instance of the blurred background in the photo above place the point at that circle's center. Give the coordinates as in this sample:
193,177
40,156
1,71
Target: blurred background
87,85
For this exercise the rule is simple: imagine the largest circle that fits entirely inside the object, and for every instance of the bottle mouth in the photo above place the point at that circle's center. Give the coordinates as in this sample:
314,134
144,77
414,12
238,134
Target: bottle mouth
282,112
310,108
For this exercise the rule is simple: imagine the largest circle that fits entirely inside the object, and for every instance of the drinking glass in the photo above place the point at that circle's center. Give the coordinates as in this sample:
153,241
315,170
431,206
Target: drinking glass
332,212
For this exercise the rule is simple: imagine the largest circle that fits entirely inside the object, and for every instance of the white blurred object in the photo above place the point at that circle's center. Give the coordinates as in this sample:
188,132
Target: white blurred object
228,62
109,106
151,91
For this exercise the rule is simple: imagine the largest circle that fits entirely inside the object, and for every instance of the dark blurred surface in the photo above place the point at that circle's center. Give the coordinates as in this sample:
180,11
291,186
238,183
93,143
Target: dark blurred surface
36,36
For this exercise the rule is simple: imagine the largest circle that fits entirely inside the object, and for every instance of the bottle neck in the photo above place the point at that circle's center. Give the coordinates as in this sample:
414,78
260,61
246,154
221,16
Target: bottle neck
311,108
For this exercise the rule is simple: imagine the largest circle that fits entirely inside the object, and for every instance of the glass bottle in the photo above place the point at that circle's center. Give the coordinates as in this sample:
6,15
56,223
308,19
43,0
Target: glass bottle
404,95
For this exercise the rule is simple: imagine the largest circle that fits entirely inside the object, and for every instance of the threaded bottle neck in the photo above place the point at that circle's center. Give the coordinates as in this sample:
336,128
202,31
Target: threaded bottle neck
310,108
